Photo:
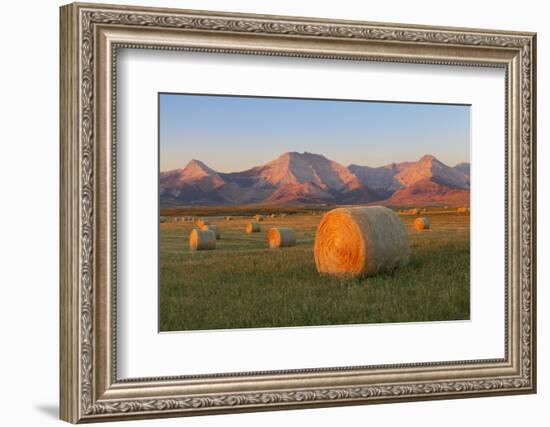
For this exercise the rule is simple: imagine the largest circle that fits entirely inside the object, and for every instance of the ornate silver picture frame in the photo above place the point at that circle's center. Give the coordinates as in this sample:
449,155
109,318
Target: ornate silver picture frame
91,34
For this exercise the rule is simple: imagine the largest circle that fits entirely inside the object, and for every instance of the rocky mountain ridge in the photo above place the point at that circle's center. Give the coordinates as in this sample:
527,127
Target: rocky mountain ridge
307,178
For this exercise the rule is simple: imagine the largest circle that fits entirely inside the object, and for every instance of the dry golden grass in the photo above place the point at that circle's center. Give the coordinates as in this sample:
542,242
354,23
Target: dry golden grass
245,284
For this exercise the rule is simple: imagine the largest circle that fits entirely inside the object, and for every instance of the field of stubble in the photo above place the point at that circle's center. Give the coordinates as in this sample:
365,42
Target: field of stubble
244,284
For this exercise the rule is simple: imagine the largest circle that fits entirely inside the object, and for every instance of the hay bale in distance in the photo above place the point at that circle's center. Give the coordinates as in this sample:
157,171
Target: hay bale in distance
422,223
281,237
202,240
202,222
258,218
360,241
252,227
214,228
462,210
228,218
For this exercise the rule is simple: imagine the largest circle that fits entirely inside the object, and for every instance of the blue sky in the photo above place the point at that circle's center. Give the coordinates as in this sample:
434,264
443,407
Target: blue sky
235,133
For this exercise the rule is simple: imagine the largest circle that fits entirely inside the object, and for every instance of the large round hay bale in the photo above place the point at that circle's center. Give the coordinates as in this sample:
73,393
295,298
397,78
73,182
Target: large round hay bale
360,241
422,223
463,210
228,218
252,227
414,211
212,227
258,218
281,237
201,240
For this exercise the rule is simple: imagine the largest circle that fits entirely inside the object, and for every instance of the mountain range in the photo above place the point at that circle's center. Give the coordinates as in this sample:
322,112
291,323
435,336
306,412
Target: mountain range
306,178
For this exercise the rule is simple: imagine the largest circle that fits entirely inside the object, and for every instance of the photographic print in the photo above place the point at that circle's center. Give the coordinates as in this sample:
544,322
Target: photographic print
281,212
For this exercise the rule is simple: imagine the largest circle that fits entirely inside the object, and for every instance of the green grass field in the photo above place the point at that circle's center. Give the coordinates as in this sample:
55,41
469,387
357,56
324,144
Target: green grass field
244,284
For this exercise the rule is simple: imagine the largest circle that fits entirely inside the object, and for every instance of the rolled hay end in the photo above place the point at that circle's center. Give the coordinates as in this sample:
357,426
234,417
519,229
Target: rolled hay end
281,237
228,218
258,218
202,240
214,228
421,223
252,227
360,241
